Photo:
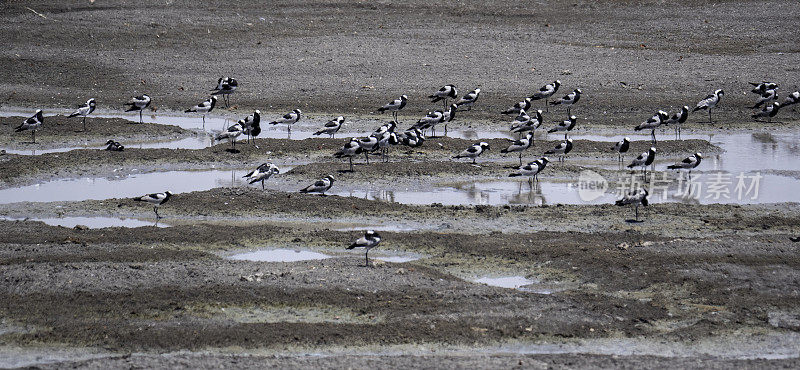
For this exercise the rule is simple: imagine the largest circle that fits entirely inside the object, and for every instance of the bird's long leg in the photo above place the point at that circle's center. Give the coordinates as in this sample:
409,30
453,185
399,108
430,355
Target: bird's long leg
262,185
654,136
637,212
84,123
709,116
366,257
34,136
445,130
140,116
473,161
155,209
204,122
366,156
351,163
520,158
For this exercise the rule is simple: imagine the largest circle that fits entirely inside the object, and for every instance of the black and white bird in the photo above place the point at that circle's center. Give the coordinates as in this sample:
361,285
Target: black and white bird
519,106
519,146
413,138
568,100
349,150
622,147
251,125
652,123
445,92
474,151
386,141
331,127
114,146
524,122
709,102
469,99
636,197
766,96
262,173
449,116
156,199
395,106
320,186
32,124
204,108
368,145
565,126
678,119
138,103
384,128
370,240
689,163
430,121
289,119
532,169
645,159
232,133
562,149
792,98
768,111
84,110
546,91
225,87
761,87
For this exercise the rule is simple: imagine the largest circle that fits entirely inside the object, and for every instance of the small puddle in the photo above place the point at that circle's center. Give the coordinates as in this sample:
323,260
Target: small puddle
279,255
92,222
514,282
396,256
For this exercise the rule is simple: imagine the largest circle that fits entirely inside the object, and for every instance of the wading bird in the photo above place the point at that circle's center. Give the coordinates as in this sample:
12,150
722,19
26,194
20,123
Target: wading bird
635,197
84,110
474,151
138,103
445,92
395,106
546,91
520,146
225,87
156,199
204,108
331,127
709,102
370,240
262,173
31,124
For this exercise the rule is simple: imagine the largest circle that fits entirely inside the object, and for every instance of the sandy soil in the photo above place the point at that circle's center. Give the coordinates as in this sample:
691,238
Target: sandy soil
694,286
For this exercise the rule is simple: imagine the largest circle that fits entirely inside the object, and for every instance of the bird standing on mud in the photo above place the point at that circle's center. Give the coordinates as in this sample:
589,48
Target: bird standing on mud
709,102
395,106
251,125
262,173
519,106
445,92
469,99
562,149
520,146
84,110
225,87
138,103
32,123
473,151
635,197
156,199
320,186
621,148
231,134
370,240
349,150
546,91
768,111
569,100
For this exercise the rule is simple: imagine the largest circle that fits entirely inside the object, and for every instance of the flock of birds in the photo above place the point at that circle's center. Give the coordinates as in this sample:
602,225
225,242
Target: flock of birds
387,135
